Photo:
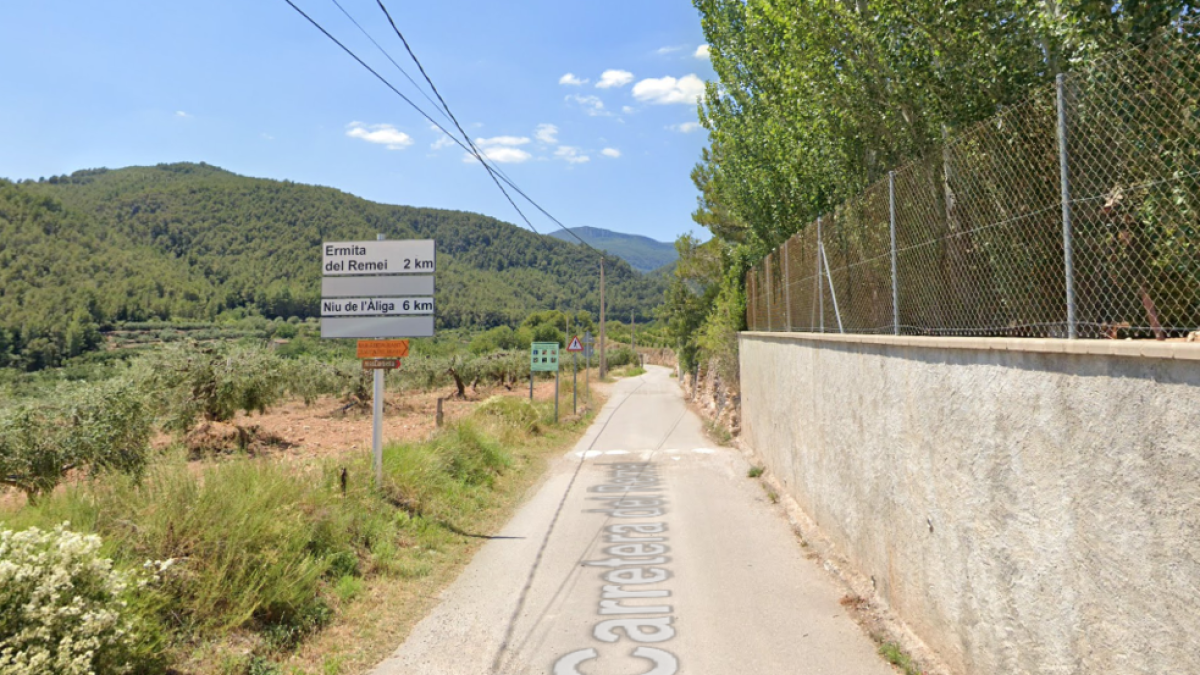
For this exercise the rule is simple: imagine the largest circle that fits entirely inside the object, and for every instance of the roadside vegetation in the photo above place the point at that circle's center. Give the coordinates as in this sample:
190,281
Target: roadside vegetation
143,483
813,105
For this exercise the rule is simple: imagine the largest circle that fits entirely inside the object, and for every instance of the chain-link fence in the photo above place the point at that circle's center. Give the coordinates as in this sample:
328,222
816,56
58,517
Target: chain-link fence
1073,214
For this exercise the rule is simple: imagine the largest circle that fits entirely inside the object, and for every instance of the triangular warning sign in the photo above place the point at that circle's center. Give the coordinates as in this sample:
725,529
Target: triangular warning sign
575,346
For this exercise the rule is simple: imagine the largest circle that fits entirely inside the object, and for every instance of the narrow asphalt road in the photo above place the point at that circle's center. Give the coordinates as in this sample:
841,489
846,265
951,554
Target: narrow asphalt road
646,551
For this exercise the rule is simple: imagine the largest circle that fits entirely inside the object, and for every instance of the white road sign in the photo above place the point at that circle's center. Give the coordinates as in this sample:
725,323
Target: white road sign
377,326
409,256
378,287
375,306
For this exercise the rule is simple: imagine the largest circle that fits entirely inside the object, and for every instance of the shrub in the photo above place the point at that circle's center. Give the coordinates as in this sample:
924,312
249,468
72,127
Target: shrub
310,378
195,382
509,411
471,456
97,426
622,357
64,609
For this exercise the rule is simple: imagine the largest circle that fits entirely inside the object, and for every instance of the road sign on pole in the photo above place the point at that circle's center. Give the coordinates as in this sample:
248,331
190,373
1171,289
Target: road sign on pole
376,326
544,356
400,256
394,285
375,306
382,349
576,345
378,289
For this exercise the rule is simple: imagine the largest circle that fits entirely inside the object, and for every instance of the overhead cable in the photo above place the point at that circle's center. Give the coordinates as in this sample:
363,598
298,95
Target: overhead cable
406,99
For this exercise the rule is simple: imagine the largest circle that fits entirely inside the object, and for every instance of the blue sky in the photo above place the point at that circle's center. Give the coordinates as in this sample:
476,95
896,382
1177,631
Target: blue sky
588,106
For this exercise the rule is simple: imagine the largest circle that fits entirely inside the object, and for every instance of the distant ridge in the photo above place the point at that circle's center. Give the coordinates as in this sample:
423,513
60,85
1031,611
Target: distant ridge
195,242
642,253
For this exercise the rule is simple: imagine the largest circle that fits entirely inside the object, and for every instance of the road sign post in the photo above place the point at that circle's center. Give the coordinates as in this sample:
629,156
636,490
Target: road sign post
378,289
587,371
575,347
544,358
382,349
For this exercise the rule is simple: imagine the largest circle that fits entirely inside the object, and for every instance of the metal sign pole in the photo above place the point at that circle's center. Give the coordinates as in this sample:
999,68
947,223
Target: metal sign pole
377,422
556,397
375,291
377,430
575,384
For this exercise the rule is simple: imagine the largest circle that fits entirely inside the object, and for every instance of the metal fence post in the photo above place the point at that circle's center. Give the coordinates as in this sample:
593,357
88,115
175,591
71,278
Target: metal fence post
770,288
787,288
1064,176
820,291
895,275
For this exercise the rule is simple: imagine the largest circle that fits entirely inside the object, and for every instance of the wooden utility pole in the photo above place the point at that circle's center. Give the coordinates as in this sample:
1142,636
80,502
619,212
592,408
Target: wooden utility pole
603,356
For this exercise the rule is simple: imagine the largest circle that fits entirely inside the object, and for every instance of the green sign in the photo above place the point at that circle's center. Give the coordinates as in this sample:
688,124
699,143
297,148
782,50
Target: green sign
544,356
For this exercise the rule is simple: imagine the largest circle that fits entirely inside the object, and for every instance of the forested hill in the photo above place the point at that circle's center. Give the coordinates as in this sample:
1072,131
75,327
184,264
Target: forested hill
191,241
643,253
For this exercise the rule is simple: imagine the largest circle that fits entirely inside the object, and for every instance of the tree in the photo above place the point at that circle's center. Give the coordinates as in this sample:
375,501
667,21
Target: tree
93,427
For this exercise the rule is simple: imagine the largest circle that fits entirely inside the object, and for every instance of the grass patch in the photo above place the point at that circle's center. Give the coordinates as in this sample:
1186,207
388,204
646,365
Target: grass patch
895,655
717,432
270,556
754,472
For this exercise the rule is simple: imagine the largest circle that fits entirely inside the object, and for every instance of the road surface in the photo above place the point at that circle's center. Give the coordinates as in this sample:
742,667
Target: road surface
646,551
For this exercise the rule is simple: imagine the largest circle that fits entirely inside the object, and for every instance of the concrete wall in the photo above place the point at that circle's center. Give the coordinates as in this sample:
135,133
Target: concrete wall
1024,509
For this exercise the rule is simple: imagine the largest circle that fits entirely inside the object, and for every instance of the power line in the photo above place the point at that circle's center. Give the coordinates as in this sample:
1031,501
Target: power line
472,150
491,171
447,109
407,100
387,55
444,109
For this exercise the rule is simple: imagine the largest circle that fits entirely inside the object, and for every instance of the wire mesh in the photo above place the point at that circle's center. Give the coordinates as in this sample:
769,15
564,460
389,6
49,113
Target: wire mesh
980,223
1134,145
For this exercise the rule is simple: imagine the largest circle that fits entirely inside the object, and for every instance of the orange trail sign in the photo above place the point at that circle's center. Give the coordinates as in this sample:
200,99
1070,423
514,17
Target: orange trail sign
382,349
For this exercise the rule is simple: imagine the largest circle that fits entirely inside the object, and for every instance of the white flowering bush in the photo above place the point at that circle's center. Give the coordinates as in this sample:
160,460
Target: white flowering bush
65,610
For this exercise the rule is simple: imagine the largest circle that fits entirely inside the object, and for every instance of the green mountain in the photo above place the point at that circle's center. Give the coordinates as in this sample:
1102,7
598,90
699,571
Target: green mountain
192,241
643,253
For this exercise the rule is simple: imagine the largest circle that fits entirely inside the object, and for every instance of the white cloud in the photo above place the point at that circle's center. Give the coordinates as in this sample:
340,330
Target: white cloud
614,78
611,152
686,127
267,137
546,133
628,109
702,52
180,113
571,155
443,141
571,80
382,134
592,105
502,154
668,50
508,141
666,90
